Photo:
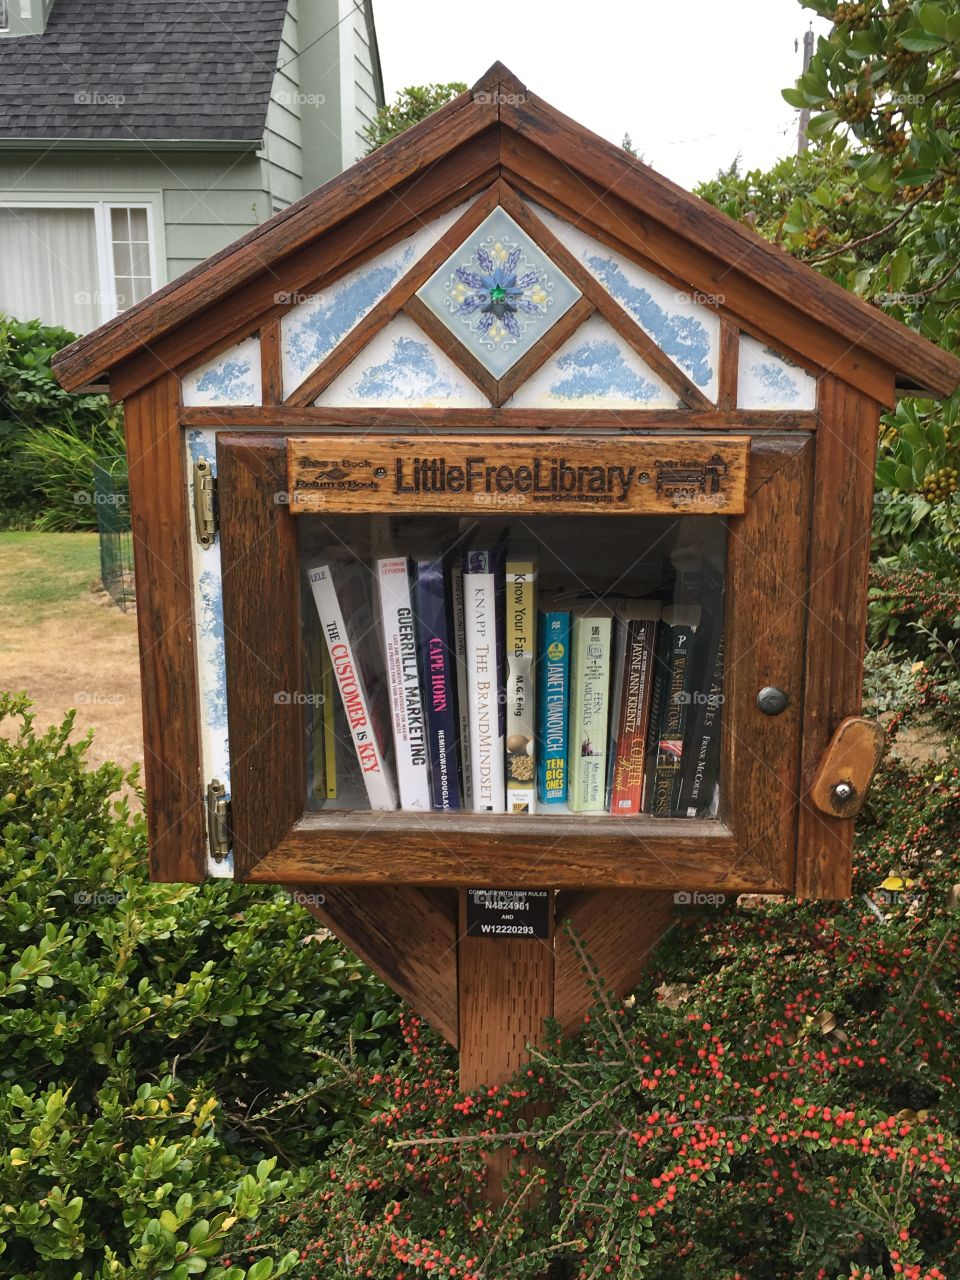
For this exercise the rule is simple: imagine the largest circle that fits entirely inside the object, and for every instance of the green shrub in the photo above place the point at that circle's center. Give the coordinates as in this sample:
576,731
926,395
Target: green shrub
49,438
167,1052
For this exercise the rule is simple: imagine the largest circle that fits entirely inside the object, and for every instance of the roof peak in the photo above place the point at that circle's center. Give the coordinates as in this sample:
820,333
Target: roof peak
498,75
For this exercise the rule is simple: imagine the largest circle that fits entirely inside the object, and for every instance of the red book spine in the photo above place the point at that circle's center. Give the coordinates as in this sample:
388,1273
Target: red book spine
626,796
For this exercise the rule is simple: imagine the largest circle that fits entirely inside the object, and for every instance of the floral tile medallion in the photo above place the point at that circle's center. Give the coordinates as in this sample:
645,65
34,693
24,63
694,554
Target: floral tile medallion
499,293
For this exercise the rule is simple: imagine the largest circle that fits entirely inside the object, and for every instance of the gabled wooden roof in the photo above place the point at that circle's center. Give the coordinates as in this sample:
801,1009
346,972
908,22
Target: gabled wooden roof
499,128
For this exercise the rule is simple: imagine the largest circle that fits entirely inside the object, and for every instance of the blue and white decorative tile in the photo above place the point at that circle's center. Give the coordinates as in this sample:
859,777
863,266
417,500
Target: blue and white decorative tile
399,367
683,328
310,330
768,380
209,647
594,369
233,377
499,293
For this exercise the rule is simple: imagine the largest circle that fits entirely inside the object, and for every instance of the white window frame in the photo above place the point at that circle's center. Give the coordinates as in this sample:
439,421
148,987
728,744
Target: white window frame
106,271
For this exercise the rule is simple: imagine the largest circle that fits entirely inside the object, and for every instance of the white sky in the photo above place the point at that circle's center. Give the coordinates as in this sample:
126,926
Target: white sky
692,81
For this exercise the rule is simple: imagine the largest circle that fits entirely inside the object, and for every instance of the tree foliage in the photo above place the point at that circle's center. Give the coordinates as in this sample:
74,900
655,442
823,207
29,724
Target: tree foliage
875,205
410,106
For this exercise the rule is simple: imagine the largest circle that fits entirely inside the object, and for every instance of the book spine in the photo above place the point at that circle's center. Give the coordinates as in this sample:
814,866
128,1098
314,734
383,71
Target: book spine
463,693
483,682
664,760
356,703
403,682
590,693
520,731
314,653
437,666
329,730
701,743
626,797
700,783
554,707
618,640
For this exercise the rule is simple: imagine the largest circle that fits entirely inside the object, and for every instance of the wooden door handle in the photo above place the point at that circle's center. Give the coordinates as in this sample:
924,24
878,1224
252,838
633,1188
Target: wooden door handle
840,784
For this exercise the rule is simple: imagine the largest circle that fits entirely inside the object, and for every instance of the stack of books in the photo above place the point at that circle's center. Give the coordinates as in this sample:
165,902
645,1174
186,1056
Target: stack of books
460,689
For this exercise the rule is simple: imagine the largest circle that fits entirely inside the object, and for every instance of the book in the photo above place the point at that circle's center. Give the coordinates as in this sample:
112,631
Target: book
618,641
328,689
701,745
668,714
520,727
460,667
591,633
553,706
438,672
314,653
632,716
407,717
482,567
339,593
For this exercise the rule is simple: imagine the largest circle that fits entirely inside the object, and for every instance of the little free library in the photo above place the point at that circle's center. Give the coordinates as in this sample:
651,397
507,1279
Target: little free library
501,518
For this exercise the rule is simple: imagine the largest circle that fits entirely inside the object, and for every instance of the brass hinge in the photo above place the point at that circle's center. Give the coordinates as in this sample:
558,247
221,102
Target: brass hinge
205,503
218,820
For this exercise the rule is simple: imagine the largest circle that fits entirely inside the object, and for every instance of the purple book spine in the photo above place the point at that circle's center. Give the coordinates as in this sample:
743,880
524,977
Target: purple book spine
437,662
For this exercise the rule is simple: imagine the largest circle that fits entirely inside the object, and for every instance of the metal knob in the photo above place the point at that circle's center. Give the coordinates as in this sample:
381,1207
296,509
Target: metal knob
843,792
772,700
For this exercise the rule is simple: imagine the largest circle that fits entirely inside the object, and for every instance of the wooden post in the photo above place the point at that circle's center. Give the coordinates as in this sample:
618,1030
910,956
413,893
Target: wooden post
506,991
508,987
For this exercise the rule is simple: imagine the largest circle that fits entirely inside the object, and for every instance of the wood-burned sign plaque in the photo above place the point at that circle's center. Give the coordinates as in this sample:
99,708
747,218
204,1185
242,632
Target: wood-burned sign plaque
656,474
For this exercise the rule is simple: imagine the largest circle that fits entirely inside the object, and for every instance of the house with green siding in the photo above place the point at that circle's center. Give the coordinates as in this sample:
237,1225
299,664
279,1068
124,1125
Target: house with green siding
136,139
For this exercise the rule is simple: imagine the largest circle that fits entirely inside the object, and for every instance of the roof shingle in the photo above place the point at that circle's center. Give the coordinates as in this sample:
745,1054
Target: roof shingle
129,69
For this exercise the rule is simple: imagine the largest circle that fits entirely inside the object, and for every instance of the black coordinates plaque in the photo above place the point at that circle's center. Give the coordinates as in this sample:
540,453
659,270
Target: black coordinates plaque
508,913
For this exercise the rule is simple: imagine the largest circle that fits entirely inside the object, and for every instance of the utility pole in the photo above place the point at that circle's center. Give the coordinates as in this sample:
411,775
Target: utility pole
805,111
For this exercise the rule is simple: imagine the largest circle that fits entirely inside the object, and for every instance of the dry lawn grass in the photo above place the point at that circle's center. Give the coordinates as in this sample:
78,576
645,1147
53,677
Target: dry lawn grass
66,644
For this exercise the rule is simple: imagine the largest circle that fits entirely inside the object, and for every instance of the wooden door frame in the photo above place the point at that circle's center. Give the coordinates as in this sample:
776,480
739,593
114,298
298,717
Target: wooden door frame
276,840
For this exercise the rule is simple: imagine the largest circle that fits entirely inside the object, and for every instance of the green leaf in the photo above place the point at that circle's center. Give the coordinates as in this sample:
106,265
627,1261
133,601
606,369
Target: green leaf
261,1270
919,41
820,125
795,97
933,19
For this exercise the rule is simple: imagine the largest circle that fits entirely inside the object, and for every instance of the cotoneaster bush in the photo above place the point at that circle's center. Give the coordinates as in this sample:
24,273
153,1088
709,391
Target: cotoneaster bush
169,1054
779,1100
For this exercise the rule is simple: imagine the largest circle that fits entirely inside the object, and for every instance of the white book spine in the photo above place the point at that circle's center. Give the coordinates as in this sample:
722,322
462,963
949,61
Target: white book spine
403,683
463,691
486,741
380,790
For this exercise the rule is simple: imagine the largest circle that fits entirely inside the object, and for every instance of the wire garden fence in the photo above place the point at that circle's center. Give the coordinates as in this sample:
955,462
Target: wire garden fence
112,501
